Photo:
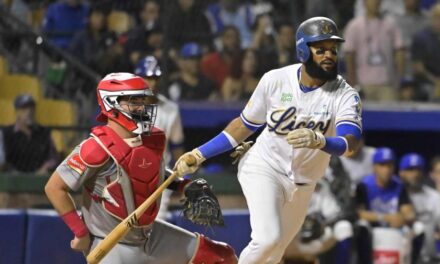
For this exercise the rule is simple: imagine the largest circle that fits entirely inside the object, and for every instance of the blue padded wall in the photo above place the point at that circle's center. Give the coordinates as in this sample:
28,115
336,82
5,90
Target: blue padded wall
48,240
236,232
13,230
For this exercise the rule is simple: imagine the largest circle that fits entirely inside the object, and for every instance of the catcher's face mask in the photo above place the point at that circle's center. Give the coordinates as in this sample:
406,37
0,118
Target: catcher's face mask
141,109
128,100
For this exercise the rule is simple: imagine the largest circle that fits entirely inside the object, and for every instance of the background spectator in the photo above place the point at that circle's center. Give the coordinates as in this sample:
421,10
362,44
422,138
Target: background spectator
265,43
243,79
217,65
286,47
408,91
167,119
63,19
360,164
381,201
375,55
190,83
340,184
232,13
27,146
320,8
147,35
410,23
426,203
435,172
425,56
91,45
186,23
168,115
386,7
149,15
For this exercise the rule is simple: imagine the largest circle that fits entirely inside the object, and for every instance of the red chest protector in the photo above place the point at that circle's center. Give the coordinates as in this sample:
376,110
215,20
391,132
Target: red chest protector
141,164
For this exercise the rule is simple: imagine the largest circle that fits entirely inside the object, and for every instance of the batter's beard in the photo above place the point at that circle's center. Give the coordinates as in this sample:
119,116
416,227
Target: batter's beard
317,72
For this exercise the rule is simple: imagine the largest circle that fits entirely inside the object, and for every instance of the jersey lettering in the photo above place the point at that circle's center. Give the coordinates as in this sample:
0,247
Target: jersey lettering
285,120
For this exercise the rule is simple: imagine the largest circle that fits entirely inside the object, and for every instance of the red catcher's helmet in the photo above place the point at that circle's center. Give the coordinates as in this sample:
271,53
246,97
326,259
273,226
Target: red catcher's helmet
115,85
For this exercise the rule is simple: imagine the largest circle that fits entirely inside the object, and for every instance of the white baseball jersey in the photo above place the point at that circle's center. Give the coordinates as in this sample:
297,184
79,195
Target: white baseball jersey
168,120
323,201
426,203
359,166
283,105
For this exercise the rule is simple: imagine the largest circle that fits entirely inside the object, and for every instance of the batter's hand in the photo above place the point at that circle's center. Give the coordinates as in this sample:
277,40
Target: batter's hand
189,162
306,138
240,150
81,244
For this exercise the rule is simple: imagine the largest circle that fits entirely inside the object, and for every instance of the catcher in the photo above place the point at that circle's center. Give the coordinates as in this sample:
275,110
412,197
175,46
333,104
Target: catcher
118,167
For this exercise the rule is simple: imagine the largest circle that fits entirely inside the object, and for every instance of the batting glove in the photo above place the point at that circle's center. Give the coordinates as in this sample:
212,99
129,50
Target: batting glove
240,150
189,162
306,138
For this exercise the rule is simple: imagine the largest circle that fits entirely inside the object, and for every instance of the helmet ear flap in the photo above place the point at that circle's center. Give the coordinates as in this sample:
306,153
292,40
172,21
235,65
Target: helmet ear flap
304,52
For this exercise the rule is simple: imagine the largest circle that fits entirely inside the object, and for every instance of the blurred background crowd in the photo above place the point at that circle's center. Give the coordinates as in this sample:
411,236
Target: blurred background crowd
212,53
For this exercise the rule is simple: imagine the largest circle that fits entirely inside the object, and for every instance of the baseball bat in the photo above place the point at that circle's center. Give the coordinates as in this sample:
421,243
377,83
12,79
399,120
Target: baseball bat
101,250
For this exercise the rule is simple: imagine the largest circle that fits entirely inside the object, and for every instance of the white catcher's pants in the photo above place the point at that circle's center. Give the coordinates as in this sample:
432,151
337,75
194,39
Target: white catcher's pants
277,209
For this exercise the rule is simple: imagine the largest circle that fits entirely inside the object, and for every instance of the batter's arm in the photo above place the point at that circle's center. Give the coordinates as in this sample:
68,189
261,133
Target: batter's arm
57,192
353,145
238,130
234,133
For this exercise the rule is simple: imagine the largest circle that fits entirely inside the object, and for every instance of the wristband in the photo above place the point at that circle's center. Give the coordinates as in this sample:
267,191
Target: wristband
335,145
75,223
219,144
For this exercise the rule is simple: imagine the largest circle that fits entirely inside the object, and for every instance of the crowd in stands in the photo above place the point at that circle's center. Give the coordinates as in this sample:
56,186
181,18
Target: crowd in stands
26,146
218,50
389,53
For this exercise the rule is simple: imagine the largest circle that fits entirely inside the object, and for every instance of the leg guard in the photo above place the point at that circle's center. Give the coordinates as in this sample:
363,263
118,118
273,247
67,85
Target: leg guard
213,252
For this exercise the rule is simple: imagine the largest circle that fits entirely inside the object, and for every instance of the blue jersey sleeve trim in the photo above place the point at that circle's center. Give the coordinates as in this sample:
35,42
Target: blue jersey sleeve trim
216,146
346,128
250,125
340,122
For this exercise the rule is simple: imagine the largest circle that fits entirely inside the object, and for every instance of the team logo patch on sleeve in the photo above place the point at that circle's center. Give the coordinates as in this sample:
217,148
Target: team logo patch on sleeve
76,164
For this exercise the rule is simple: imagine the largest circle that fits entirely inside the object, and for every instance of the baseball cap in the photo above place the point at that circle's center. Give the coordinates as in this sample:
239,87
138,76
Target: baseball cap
24,100
190,50
412,160
383,155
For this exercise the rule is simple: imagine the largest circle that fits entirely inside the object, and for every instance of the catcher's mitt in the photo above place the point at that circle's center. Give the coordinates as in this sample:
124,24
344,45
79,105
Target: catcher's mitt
201,206
312,228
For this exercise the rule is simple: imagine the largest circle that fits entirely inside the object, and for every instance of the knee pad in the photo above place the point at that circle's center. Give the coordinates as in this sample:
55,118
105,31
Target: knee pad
213,252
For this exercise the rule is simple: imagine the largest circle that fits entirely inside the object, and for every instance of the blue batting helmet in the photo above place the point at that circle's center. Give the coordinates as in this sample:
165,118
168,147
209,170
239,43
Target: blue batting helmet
148,67
313,30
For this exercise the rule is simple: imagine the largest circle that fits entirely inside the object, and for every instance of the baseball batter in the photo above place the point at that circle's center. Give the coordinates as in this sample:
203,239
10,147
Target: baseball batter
118,168
310,113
